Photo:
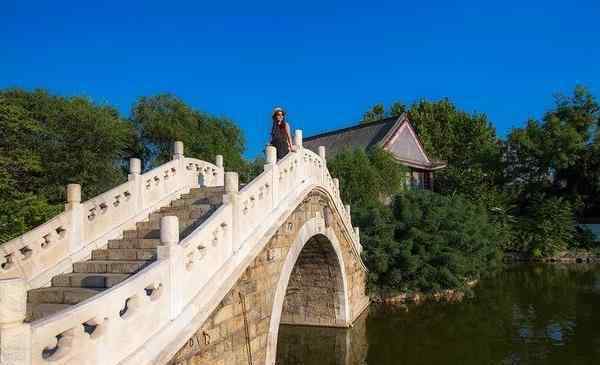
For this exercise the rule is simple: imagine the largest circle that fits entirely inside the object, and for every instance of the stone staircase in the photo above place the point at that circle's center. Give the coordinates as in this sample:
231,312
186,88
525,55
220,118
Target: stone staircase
123,257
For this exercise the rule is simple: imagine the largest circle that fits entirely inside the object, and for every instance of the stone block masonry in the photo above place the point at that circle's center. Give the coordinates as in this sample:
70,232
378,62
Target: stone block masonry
318,292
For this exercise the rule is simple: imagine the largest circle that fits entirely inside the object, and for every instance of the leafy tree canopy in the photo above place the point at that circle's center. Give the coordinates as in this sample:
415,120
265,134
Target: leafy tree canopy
164,118
366,176
47,142
559,154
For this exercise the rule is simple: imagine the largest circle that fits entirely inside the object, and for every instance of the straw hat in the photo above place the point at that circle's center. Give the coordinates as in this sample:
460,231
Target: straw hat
277,109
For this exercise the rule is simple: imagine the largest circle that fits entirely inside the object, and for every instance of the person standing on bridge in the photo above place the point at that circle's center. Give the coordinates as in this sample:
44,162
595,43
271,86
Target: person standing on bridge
280,134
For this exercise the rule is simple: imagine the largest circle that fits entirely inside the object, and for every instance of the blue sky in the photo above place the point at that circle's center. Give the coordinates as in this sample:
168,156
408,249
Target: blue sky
325,62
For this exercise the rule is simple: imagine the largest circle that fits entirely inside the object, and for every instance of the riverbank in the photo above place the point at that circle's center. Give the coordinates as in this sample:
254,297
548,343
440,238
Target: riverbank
449,295
565,257
456,295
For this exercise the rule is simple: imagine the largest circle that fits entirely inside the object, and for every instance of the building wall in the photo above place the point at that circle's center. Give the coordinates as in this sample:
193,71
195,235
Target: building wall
419,179
405,146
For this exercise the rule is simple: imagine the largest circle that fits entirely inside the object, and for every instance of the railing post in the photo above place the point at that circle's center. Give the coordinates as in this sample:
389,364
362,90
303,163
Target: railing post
324,161
301,172
298,139
169,250
357,236
271,165
75,209
178,150
178,156
15,335
221,174
232,188
134,177
322,152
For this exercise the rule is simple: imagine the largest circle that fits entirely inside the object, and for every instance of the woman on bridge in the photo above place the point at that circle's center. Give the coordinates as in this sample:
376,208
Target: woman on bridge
280,134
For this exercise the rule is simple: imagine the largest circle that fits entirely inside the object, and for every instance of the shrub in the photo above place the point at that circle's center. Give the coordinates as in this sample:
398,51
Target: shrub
428,242
547,227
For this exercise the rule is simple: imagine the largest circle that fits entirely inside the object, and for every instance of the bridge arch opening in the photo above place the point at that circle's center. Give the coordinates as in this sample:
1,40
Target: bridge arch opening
312,287
315,290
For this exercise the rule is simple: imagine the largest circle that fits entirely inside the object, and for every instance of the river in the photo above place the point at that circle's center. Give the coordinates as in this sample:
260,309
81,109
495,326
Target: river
527,314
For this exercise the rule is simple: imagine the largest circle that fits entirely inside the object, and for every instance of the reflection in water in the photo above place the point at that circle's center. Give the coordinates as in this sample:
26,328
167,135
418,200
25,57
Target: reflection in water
323,346
524,315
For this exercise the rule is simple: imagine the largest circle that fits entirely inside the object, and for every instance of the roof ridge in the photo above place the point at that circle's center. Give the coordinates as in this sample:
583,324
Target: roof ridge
353,127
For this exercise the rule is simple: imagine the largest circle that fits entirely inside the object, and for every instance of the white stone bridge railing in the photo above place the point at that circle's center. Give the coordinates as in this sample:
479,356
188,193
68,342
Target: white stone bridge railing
143,319
51,248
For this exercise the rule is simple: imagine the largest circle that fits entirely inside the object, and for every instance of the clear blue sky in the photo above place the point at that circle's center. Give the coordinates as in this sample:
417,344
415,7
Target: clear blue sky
325,62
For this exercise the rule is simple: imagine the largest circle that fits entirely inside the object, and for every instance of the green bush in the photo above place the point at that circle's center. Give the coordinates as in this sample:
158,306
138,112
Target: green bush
427,242
547,226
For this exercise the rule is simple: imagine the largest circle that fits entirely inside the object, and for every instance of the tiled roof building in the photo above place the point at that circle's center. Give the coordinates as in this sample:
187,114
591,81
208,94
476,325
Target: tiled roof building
395,135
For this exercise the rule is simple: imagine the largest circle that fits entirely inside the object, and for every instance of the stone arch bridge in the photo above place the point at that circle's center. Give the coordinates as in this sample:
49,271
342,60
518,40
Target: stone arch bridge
180,266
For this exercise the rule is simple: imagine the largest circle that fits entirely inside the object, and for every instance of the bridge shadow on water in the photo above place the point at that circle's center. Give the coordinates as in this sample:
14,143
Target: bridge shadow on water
304,345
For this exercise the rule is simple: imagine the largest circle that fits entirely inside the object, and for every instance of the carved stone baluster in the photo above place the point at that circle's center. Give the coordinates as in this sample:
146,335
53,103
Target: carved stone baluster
232,188
170,250
15,335
75,209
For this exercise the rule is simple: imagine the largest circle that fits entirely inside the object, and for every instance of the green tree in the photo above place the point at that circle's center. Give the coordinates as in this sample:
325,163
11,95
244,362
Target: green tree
367,176
397,109
164,118
251,169
559,154
47,142
376,113
19,208
547,226
468,143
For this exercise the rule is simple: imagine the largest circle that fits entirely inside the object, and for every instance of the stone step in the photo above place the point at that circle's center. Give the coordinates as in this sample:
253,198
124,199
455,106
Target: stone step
140,243
137,233
205,190
122,257
187,212
150,230
109,266
61,295
87,280
42,310
201,195
155,224
185,203
124,254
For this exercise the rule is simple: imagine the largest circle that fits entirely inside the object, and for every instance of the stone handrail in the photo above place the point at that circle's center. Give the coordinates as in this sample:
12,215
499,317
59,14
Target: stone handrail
52,247
132,322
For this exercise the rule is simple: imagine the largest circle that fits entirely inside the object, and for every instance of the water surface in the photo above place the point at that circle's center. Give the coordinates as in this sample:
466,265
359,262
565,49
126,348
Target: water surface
547,314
